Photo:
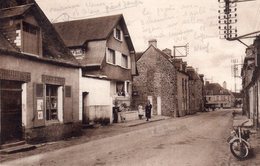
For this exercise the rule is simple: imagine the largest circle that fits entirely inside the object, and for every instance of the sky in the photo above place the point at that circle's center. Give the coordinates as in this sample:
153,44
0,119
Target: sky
172,23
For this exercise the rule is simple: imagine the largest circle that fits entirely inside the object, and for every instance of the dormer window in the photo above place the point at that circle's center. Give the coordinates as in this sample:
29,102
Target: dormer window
30,28
30,41
118,34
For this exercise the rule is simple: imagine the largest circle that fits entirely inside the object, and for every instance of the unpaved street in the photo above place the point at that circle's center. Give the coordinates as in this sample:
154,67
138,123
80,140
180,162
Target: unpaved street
193,140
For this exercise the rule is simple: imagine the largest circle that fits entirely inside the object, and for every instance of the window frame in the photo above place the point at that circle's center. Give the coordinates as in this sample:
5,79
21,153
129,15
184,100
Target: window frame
124,63
109,51
118,35
49,97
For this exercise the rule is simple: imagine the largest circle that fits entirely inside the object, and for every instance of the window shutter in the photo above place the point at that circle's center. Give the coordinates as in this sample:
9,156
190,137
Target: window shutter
68,105
67,91
39,105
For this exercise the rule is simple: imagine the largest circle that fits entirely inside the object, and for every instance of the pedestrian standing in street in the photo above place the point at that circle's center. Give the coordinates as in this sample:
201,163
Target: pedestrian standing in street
140,112
148,110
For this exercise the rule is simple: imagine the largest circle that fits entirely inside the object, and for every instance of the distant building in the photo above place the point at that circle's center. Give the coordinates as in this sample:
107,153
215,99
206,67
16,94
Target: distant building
105,51
238,99
217,97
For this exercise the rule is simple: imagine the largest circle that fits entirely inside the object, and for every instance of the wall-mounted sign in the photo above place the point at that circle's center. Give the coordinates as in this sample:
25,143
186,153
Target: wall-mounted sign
40,115
39,104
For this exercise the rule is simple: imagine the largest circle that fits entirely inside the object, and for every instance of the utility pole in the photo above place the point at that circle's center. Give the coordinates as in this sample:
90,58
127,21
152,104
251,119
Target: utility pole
227,20
234,72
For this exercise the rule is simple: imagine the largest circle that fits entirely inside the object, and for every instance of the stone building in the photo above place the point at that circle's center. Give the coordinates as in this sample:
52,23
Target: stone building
196,97
182,87
217,97
251,82
106,53
39,83
156,81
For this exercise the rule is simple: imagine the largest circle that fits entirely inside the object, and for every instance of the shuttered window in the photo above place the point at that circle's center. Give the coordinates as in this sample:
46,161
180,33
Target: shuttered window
39,106
67,91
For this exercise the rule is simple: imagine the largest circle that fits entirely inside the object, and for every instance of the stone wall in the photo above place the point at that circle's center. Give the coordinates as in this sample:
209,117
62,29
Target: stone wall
157,78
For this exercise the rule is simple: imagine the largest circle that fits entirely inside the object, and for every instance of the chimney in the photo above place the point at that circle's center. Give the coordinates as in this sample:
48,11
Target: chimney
184,66
152,42
167,51
207,83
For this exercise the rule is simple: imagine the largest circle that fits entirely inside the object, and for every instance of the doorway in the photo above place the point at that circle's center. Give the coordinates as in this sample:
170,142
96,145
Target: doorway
85,118
159,105
11,111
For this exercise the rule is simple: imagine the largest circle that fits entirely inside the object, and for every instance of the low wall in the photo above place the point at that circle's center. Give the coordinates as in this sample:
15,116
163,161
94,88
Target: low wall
127,116
98,112
52,132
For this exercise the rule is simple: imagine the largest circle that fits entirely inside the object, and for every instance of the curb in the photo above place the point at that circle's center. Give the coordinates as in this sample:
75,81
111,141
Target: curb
132,125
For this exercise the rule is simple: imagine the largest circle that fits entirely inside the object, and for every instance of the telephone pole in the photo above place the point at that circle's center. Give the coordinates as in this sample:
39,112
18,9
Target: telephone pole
228,19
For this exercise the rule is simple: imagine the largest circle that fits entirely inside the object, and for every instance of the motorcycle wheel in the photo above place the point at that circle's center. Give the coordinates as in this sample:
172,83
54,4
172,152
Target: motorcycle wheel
239,149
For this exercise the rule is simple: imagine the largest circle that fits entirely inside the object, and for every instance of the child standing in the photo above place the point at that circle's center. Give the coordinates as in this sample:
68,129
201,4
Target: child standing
140,111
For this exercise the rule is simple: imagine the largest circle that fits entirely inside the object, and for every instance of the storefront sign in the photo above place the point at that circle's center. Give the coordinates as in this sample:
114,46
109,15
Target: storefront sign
53,80
15,75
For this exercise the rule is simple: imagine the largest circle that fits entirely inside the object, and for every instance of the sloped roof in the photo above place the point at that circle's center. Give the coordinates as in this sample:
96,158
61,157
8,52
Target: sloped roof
53,46
94,56
138,55
14,11
166,56
160,52
237,95
5,44
192,73
215,89
76,33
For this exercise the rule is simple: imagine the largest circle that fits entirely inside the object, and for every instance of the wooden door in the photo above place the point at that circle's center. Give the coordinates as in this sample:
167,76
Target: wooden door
11,111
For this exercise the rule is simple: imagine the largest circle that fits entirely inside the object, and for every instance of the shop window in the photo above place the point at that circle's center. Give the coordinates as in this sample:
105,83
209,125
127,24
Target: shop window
51,102
111,56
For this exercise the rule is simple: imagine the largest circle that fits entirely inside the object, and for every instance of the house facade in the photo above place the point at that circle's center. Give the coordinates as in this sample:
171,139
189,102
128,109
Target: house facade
182,87
39,83
196,97
251,81
156,81
105,51
217,96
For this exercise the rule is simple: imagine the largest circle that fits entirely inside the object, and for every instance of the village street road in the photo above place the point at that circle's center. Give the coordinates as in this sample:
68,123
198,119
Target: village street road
197,140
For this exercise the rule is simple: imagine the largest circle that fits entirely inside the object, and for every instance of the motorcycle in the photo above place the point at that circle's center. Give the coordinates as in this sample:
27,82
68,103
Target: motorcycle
238,141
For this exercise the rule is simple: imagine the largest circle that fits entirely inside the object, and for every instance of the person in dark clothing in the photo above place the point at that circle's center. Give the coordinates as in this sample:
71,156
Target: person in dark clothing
148,110
115,112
